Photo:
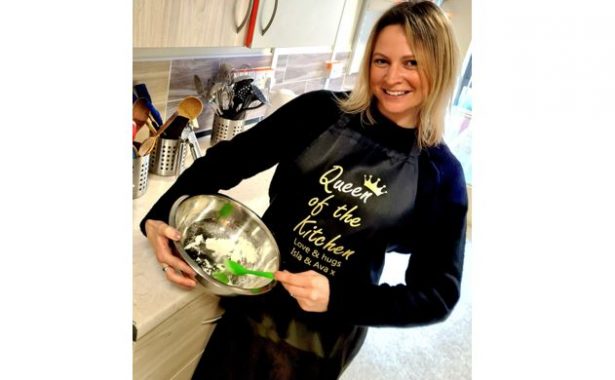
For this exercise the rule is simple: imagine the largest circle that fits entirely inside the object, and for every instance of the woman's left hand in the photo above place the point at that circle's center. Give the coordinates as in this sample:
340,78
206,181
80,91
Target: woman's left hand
310,289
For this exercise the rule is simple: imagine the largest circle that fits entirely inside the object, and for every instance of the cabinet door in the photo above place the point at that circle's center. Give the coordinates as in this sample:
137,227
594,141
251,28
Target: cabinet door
174,343
295,23
369,15
189,23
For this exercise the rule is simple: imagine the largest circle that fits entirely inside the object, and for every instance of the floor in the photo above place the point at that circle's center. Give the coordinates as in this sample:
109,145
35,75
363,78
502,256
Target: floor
437,352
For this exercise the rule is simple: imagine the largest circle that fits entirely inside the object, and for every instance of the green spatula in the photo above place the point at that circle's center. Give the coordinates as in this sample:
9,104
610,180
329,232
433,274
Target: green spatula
239,270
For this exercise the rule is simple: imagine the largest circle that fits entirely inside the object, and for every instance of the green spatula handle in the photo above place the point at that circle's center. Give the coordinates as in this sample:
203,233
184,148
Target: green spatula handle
259,273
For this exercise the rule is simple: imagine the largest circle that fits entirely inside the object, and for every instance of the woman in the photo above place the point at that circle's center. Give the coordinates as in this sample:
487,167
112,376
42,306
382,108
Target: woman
358,175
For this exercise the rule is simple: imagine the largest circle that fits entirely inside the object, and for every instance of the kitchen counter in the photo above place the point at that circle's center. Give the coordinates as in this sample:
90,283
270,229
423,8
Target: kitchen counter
155,299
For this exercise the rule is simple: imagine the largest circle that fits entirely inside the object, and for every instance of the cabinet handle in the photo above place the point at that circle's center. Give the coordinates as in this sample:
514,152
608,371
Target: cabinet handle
212,320
275,8
245,18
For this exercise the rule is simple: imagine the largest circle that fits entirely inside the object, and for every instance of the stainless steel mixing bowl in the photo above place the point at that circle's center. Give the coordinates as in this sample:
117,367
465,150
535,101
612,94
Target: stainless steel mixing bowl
203,217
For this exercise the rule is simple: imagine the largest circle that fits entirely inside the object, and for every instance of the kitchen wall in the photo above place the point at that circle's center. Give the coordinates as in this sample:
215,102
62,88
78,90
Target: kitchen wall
460,13
168,73
171,79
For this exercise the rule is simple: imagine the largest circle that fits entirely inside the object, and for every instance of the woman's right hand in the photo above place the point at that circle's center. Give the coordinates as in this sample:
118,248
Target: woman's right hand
159,235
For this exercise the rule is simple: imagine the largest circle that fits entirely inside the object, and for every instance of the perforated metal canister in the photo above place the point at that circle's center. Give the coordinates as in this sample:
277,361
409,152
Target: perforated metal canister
168,157
225,129
139,175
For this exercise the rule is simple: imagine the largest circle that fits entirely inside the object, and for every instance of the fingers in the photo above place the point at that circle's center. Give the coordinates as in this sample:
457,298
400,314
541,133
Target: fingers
310,289
285,277
296,284
179,278
177,264
164,230
159,234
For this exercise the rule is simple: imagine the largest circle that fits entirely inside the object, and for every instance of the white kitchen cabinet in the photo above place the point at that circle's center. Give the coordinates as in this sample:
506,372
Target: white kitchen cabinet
172,349
236,23
294,23
369,15
190,23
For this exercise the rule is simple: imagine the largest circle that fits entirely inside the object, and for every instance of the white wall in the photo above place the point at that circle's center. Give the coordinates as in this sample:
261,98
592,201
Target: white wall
460,12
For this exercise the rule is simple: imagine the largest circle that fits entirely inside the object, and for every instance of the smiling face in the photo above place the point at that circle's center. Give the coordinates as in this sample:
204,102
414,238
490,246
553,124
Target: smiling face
394,77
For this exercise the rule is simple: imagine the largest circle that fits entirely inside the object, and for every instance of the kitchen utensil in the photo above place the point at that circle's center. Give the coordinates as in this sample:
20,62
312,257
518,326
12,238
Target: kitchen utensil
153,121
231,98
225,211
241,89
148,145
190,107
246,93
221,276
189,137
196,218
194,124
259,94
234,268
140,112
150,126
140,91
182,149
175,129
135,149
200,88
225,99
239,270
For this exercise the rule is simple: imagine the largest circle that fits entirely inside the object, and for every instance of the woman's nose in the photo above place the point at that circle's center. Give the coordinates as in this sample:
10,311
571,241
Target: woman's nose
393,74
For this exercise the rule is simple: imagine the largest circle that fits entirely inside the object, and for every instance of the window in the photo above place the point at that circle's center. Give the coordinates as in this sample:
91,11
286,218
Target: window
458,133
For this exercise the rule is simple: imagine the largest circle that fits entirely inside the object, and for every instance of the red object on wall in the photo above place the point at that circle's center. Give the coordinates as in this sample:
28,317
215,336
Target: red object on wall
251,24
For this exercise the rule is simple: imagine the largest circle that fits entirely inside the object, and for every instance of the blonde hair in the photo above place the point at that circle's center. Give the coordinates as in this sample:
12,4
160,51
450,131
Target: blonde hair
433,43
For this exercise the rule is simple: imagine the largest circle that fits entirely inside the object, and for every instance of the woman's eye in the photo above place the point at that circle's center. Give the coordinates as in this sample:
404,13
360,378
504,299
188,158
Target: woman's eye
411,63
379,61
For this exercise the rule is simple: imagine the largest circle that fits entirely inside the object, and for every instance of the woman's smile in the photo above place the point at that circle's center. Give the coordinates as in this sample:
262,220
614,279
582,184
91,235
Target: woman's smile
395,93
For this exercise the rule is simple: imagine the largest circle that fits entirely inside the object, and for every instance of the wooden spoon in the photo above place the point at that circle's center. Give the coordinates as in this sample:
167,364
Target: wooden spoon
190,107
148,145
150,126
140,112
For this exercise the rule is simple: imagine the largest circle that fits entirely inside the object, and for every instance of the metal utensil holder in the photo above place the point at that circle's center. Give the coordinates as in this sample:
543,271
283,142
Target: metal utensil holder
140,165
168,157
189,142
225,129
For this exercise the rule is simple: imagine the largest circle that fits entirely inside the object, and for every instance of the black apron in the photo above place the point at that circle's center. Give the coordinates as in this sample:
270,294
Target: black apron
332,210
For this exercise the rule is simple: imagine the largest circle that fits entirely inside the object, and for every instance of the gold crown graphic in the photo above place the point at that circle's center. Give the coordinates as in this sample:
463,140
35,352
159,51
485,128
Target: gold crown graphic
373,186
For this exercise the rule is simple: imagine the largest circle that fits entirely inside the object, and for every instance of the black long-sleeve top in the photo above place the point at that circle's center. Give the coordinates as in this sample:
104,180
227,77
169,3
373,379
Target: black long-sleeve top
428,222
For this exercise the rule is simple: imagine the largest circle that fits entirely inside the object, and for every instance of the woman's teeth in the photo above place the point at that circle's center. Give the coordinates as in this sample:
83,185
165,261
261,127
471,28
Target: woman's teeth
395,93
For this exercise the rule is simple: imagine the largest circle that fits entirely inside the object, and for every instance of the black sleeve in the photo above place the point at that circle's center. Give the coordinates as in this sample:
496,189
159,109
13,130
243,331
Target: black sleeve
282,134
436,241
